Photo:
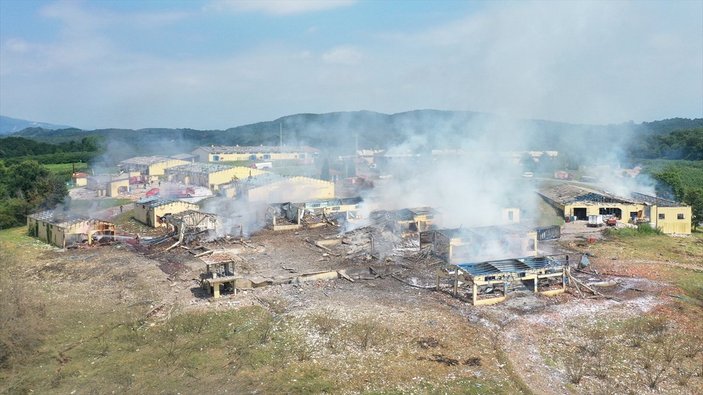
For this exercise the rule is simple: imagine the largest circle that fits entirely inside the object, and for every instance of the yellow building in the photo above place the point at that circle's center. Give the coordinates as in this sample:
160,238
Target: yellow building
510,215
150,211
152,166
407,220
245,153
63,230
272,188
466,245
576,201
210,175
79,179
341,210
109,185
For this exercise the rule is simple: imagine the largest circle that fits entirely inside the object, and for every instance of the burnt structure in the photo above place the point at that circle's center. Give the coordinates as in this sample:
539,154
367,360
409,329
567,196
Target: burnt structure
491,282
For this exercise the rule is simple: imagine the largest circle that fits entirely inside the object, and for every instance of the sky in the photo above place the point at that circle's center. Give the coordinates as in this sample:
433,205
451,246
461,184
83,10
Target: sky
215,64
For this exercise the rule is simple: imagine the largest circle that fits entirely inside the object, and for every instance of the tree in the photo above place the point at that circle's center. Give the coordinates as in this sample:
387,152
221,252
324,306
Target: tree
694,198
25,187
669,183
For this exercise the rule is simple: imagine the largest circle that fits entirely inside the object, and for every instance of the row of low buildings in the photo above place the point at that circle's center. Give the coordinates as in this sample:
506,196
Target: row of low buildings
247,183
219,153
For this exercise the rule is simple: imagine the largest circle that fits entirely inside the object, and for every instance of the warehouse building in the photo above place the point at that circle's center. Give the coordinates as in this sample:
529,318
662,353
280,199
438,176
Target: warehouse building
286,216
272,188
489,282
109,185
210,175
466,245
150,211
219,153
580,202
64,230
152,166
407,220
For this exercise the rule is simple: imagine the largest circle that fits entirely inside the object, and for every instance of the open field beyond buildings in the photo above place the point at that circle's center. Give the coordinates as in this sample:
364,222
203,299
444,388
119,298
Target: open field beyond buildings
120,318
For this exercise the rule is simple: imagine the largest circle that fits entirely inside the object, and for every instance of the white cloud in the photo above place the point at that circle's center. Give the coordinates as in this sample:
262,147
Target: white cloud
278,7
582,62
344,55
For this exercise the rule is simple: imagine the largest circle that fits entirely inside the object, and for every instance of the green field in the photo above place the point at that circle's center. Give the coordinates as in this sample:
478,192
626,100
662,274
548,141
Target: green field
691,171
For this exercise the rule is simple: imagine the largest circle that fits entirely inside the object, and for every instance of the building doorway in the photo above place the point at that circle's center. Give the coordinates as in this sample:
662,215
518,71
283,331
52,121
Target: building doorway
580,213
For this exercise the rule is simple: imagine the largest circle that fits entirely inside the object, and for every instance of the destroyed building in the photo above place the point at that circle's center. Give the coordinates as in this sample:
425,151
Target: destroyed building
152,166
210,175
464,245
151,210
191,224
286,216
272,188
407,220
580,202
244,153
109,185
65,230
492,281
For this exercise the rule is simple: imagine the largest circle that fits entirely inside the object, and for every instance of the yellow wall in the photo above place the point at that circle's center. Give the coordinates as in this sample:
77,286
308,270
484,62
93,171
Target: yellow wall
215,179
594,209
114,186
510,246
205,156
157,169
80,181
511,215
671,224
149,215
294,189
55,234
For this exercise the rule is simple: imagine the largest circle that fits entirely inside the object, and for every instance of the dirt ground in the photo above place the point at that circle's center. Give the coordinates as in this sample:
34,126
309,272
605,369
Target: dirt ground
385,332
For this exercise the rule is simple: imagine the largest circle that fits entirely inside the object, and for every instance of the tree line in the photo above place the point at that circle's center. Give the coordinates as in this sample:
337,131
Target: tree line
25,187
680,144
17,149
683,184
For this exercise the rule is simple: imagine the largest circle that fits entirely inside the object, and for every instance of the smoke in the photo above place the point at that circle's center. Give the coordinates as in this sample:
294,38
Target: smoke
236,217
470,183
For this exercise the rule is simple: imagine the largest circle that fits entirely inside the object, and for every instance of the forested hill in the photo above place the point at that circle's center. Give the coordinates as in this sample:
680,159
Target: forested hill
342,130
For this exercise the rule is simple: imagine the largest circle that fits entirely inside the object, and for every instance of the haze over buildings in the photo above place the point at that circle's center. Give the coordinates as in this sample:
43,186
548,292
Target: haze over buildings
217,64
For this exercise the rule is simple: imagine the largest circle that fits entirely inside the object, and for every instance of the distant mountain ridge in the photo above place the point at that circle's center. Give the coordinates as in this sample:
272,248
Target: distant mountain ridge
342,132
13,125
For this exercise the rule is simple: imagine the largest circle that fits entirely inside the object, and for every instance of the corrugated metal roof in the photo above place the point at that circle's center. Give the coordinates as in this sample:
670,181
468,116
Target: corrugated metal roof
516,266
145,160
262,149
199,168
60,218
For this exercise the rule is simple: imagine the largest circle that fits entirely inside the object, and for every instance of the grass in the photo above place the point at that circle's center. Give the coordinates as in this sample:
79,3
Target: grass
691,171
61,168
65,170
640,231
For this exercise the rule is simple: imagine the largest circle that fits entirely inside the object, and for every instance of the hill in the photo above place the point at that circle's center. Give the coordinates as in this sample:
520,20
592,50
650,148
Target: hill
341,132
11,125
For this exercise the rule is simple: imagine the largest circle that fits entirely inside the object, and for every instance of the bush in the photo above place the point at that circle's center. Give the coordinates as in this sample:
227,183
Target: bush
640,231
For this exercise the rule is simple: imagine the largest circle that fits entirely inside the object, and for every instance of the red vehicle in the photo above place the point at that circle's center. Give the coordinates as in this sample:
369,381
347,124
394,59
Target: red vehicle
152,192
186,193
